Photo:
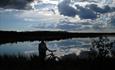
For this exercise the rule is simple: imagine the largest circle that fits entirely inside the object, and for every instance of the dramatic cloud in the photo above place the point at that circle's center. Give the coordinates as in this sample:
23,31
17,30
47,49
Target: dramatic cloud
65,9
104,9
85,13
113,20
84,10
18,4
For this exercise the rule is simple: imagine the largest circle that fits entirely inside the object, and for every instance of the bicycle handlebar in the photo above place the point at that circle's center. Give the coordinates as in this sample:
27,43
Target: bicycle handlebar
53,51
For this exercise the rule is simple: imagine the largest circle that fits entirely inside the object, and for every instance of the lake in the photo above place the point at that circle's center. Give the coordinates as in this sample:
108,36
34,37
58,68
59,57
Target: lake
63,47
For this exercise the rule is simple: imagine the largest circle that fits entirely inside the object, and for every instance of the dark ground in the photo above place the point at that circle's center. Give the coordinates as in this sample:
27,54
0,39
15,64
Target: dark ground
66,63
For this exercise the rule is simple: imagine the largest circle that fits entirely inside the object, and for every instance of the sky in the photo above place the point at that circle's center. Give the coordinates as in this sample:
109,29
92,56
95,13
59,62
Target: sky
66,15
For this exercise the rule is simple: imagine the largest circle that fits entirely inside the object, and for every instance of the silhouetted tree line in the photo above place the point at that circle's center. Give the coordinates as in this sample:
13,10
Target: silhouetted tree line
12,36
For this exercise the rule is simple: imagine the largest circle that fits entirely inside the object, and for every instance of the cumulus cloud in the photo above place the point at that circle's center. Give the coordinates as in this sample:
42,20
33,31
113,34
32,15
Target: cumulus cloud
65,9
113,20
85,11
104,9
18,4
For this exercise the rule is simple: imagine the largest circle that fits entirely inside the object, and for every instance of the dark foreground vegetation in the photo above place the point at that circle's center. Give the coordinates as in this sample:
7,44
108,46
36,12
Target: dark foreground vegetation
12,36
67,62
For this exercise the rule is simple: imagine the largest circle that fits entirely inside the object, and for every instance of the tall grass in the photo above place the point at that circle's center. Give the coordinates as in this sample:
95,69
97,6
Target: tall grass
67,62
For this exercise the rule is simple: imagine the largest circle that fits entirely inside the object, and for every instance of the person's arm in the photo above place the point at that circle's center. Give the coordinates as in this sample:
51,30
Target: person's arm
51,50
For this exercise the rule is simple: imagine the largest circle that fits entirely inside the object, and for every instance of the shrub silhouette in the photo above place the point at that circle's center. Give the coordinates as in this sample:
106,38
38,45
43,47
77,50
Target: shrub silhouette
102,46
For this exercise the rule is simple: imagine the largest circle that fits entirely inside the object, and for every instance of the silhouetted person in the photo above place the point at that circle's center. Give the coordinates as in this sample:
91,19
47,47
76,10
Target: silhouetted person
42,50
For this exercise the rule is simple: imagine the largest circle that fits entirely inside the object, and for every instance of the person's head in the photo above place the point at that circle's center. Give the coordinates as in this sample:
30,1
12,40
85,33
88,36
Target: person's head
42,41
100,38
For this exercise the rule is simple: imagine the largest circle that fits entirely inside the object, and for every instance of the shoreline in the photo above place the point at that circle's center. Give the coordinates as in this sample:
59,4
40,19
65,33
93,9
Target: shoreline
13,36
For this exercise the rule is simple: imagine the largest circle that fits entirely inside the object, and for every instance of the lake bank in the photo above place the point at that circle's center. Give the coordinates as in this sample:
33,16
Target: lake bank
13,36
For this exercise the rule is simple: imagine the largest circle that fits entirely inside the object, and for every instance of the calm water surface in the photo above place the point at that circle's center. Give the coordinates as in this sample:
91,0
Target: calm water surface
62,47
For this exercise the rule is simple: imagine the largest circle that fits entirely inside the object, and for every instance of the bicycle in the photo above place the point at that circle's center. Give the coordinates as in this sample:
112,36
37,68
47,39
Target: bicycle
52,58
